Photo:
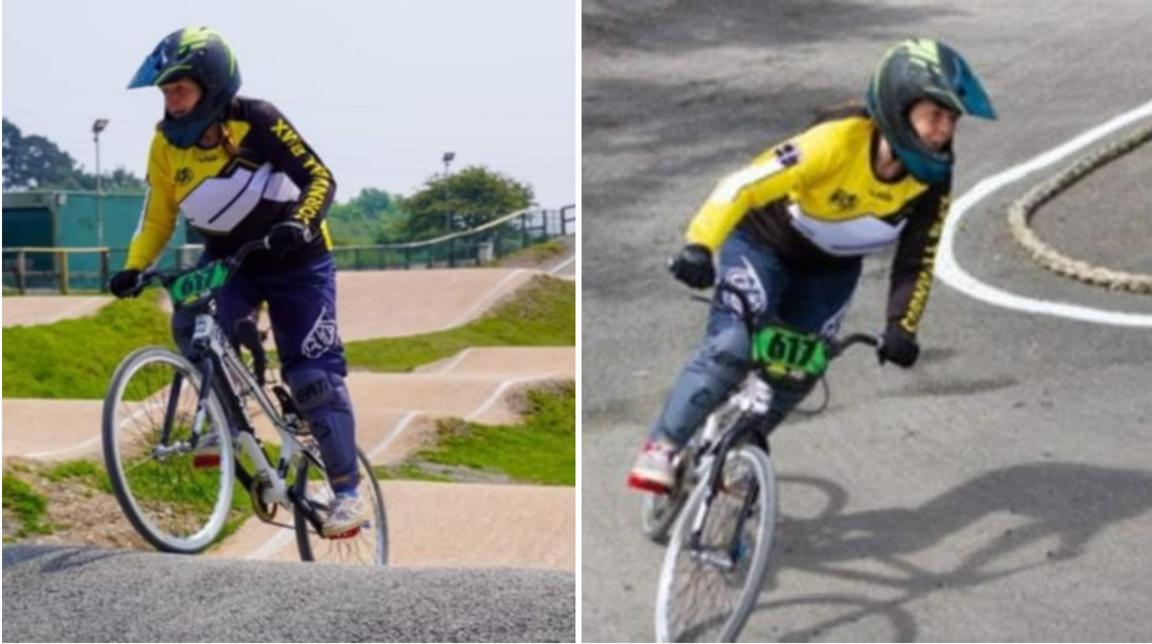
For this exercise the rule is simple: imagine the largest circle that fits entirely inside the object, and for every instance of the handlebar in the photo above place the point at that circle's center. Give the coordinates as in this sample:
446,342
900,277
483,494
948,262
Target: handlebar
151,274
836,346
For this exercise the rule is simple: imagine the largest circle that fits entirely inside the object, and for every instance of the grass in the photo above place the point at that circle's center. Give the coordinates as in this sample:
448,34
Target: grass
28,506
408,471
535,254
541,313
88,472
541,450
74,359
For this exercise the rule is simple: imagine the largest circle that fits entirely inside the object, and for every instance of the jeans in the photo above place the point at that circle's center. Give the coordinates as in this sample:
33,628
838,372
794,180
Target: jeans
814,301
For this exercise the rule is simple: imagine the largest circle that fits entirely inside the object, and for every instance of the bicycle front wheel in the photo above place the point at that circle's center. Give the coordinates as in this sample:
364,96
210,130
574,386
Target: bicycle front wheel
717,557
176,494
367,546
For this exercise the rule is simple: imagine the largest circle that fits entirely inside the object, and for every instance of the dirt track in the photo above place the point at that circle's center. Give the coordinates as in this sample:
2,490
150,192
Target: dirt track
431,524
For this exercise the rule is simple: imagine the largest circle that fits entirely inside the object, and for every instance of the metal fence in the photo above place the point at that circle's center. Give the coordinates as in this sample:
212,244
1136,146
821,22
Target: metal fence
67,270
475,247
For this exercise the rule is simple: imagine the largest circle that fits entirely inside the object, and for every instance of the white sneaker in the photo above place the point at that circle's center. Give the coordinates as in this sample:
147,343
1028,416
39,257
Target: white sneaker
346,517
655,467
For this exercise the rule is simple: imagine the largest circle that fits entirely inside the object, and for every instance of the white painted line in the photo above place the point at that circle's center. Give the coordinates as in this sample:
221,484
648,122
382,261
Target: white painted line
84,446
401,425
274,544
950,272
487,404
559,267
495,290
455,361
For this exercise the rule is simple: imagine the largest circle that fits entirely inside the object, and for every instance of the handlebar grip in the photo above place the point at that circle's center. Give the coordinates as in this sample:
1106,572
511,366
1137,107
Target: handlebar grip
142,281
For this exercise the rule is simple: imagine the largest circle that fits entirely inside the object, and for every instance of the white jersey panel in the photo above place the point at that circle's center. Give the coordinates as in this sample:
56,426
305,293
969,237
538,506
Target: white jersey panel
219,204
846,238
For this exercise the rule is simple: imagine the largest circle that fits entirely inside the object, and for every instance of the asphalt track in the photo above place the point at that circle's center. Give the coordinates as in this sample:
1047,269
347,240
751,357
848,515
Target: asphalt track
1001,490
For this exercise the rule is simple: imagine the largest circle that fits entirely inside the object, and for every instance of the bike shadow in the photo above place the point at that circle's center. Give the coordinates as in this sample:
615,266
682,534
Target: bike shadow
1038,514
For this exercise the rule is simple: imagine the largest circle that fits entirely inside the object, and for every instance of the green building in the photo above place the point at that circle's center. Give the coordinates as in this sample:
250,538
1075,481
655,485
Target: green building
91,233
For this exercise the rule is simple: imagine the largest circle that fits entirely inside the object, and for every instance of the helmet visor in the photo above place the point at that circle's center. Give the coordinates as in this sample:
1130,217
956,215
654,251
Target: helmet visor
159,68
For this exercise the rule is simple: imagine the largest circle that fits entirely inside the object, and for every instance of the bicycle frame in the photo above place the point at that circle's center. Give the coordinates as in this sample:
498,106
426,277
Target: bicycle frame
209,341
755,422
222,369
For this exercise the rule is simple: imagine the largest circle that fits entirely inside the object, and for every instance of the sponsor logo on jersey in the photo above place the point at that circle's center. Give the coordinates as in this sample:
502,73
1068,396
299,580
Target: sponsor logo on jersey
882,195
788,155
843,200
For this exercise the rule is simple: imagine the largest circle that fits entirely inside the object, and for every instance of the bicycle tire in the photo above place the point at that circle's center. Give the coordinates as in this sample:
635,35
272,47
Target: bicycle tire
372,538
176,506
697,600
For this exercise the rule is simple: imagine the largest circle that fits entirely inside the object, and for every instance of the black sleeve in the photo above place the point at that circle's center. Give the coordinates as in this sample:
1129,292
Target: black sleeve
287,151
912,267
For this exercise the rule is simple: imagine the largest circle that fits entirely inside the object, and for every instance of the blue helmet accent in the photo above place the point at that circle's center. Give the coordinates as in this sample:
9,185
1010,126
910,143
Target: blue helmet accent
199,54
914,70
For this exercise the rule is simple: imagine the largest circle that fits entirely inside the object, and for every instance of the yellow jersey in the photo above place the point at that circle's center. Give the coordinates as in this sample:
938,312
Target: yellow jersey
233,199
817,202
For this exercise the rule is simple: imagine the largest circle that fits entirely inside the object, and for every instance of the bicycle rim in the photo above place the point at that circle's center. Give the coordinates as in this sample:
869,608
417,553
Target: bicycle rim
369,546
150,407
698,598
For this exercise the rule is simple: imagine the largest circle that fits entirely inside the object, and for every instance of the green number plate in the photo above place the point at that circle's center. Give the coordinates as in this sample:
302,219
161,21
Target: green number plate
194,286
790,354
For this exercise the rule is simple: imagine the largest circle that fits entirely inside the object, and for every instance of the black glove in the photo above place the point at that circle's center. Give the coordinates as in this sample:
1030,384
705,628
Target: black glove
288,236
693,266
898,348
124,283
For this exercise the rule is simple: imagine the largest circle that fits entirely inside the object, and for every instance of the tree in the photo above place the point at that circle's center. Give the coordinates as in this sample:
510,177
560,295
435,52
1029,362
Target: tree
36,163
370,218
462,201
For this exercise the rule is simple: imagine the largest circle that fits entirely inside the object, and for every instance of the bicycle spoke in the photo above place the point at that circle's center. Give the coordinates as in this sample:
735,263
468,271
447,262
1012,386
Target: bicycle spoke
147,435
712,578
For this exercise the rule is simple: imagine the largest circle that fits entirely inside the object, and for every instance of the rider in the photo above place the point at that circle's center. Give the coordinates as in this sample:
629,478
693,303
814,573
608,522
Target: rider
792,228
240,171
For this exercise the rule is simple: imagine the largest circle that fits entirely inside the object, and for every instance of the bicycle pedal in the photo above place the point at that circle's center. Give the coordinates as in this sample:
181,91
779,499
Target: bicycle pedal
647,485
348,534
206,461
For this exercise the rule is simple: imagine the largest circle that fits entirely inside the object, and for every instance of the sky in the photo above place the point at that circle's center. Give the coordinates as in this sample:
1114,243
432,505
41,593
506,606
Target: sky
381,89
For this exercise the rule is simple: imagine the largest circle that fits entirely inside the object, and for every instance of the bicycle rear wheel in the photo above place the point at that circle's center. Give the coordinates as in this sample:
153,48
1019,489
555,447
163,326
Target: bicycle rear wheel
707,589
368,546
148,419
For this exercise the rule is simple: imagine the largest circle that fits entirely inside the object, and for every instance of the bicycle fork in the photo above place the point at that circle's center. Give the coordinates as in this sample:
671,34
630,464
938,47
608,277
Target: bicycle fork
162,449
747,429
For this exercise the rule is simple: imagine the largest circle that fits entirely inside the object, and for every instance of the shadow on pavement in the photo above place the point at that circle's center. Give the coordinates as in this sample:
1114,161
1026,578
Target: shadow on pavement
1064,503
